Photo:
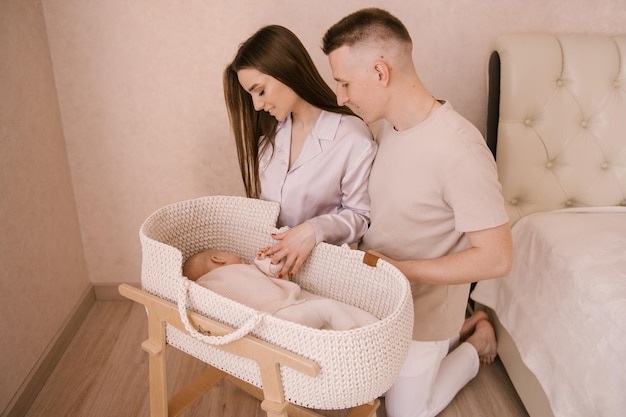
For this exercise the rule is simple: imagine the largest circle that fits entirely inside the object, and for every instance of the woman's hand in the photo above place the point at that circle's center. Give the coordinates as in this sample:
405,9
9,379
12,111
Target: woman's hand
294,247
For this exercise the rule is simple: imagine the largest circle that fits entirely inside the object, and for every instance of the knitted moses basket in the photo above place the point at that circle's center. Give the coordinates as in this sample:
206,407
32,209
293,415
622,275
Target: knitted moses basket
357,365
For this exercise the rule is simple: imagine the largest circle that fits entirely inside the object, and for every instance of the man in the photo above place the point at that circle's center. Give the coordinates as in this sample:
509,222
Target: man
437,211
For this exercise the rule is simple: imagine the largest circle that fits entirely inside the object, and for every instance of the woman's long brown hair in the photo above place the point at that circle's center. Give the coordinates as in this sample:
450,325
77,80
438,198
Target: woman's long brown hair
276,51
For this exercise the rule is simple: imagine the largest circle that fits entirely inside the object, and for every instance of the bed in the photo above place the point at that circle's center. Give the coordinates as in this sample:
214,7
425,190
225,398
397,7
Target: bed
557,127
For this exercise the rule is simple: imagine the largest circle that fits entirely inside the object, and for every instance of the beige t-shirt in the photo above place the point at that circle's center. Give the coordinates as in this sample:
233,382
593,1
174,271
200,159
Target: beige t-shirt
428,185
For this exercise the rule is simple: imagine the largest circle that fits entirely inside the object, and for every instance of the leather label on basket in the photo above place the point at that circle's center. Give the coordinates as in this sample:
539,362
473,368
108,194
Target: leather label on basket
370,259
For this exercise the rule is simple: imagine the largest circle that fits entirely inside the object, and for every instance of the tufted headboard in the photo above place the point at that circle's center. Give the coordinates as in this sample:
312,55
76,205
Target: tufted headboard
557,121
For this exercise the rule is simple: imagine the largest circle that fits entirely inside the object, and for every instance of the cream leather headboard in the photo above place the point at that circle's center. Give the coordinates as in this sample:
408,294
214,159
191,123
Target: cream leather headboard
561,127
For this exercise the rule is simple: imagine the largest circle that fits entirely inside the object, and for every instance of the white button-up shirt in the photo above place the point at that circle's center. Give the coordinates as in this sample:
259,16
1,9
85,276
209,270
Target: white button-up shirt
327,184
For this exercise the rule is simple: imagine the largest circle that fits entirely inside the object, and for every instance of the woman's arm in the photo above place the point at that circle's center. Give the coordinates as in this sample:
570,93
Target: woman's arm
348,218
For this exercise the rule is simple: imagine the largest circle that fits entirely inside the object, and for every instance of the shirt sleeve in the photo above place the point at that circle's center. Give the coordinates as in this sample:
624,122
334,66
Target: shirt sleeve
473,190
351,220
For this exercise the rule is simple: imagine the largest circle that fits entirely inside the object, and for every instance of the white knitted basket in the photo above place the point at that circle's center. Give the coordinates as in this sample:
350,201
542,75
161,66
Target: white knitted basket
357,365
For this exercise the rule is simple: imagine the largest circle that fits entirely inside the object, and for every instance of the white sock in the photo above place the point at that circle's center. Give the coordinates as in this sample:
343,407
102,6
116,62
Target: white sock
267,267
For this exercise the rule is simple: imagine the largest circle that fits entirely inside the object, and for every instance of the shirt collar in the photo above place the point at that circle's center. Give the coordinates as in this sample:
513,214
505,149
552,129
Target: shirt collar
327,125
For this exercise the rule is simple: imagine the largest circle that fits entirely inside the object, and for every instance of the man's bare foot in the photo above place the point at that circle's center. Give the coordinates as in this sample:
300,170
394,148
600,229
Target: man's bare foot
484,340
468,325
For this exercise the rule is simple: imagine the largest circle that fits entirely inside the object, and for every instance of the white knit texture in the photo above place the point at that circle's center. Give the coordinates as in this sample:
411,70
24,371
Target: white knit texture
357,365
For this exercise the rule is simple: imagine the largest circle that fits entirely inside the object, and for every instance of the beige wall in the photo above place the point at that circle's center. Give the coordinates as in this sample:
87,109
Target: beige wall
43,274
140,91
133,119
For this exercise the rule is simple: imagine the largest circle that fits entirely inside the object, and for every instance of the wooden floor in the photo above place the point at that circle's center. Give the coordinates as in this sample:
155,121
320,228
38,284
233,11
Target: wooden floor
104,373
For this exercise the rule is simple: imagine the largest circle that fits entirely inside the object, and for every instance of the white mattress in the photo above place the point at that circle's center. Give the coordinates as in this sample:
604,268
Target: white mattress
564,305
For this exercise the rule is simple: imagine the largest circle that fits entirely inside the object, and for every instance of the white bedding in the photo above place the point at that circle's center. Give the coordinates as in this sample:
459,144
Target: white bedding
564,305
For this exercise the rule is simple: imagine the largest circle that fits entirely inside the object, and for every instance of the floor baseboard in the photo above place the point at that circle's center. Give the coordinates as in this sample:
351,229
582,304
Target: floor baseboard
37,377
110,292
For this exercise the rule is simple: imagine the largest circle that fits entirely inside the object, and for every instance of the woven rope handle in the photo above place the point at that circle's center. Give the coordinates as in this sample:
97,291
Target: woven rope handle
213,340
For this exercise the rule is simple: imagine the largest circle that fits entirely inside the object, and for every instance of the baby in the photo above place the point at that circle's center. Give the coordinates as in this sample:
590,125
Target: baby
257,286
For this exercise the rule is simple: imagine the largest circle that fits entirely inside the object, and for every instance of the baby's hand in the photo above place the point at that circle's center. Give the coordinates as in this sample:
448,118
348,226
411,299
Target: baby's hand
267,267
292,247
262,253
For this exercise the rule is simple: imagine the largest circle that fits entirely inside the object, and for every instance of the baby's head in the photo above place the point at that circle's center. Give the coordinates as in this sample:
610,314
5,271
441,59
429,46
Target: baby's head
204,262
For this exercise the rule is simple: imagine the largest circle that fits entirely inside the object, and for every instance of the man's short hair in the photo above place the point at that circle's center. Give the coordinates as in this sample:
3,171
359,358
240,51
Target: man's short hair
366,24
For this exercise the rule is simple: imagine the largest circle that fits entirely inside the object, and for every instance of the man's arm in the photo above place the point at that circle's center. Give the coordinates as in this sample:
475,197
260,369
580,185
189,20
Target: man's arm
490,255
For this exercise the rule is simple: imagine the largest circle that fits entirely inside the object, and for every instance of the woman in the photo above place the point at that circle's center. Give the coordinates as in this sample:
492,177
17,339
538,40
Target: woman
296,146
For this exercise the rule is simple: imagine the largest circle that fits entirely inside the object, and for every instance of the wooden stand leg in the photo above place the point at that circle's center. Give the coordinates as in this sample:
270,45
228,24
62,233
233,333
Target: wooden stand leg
268,357
365,410
194,390
155,346
274,409
274,403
